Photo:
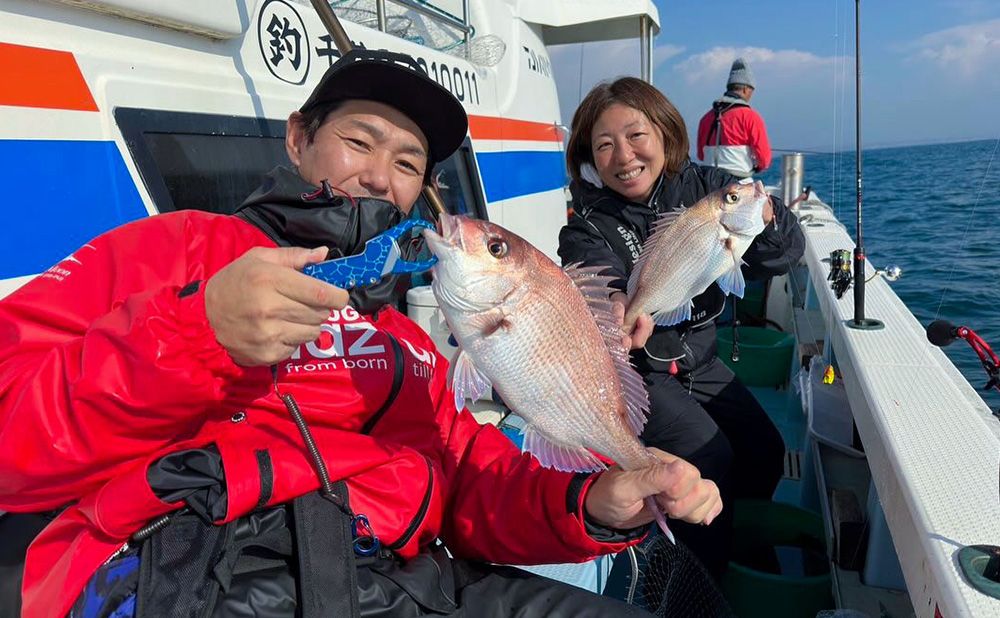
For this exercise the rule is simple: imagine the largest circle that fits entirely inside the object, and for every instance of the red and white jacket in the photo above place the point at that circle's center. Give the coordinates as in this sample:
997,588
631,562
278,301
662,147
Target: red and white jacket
743,149
105,367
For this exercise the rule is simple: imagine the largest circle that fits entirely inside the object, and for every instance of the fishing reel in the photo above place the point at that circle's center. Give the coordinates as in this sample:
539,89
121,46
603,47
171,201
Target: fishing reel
840,271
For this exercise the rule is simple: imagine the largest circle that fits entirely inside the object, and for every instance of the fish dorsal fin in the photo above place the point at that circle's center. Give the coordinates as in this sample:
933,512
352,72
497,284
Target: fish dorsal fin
467,380
589,278
656,231
559,457
596,292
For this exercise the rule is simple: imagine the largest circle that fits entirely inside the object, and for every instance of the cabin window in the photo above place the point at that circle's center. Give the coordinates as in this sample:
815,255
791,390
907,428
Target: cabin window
457,178
212,162
201,161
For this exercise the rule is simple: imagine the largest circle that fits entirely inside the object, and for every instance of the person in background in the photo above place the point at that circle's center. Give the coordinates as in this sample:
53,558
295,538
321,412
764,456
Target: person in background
296,447
628,157
732,135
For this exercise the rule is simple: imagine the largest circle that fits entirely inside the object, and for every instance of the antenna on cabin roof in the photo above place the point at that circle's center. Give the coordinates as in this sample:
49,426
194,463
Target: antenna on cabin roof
859,322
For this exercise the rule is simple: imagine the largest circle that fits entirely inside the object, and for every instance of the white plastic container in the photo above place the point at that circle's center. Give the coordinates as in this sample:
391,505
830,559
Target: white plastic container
827,409
423,309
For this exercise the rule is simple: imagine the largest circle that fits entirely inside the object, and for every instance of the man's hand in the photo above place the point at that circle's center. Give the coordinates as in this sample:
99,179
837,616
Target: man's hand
615,499
261,308
643,324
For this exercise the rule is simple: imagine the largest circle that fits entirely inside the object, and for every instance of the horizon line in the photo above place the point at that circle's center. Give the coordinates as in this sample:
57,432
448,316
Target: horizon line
824,150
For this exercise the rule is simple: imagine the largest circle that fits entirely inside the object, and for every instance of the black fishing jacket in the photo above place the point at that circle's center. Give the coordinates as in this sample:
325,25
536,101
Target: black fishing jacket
607,229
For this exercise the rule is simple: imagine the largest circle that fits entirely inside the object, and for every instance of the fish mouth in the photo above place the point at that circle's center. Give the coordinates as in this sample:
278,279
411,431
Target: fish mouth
448,235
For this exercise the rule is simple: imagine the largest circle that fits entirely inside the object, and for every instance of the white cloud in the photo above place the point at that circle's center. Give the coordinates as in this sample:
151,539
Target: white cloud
802,96
713,66
601,61
969,50
662,53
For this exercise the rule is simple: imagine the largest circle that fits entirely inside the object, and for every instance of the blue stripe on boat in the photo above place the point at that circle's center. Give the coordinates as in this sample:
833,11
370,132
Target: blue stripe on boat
513,174
57,195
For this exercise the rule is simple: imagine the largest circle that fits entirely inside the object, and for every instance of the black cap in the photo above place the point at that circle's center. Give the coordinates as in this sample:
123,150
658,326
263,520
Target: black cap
396,80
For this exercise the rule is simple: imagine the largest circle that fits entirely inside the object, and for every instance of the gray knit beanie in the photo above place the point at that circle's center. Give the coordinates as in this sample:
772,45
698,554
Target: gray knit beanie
740,74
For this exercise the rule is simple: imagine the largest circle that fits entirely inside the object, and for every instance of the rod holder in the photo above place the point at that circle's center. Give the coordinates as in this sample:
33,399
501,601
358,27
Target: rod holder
792,174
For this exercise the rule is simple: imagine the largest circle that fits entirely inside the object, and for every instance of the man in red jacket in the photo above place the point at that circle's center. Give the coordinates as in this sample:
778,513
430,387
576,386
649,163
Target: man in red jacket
179,392
732,135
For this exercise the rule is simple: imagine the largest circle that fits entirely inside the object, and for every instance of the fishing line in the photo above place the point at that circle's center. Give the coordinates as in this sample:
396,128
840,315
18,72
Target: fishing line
843,105
965,236
836,148
839,57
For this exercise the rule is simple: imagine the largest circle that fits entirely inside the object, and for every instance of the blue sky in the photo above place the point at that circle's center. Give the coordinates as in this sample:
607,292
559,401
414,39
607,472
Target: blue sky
930,68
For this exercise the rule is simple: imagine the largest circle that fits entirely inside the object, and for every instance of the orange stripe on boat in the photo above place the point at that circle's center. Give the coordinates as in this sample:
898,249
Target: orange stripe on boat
36,77
490,127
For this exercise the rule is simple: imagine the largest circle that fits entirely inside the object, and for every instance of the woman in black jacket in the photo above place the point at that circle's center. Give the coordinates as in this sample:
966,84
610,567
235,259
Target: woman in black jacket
628,156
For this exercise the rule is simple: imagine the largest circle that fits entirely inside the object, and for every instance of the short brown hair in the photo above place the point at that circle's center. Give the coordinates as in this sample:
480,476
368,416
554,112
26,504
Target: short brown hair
636,94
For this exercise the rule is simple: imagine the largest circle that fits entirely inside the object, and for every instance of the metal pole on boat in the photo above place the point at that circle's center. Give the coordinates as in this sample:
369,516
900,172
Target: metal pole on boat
646,48
467,35
860,321
380,14
343,42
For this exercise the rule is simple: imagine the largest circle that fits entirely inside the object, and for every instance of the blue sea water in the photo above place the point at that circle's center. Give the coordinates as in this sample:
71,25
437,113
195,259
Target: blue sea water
935,211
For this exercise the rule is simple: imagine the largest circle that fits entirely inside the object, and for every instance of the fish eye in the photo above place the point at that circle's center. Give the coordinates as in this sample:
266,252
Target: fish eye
732,197
497,247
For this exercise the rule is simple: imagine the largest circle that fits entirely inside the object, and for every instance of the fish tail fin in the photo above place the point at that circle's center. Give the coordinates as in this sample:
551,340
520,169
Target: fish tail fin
674,316
661,521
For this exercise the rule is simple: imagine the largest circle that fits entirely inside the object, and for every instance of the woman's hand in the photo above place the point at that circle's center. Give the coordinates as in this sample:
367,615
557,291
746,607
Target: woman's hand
768,212
643,324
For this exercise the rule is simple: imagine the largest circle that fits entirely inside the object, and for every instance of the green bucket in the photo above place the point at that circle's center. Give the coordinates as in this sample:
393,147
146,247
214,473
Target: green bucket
765,354
779,567
753,303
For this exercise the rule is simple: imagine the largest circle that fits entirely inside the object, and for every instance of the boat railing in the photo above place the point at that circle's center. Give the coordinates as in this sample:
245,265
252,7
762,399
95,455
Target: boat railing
930,440
377,14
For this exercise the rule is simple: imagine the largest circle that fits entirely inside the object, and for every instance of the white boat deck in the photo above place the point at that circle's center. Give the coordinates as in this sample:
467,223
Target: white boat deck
933,445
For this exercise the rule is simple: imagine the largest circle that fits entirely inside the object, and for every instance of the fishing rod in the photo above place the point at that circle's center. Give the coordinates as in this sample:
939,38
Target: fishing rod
942,333
343,42
859,322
